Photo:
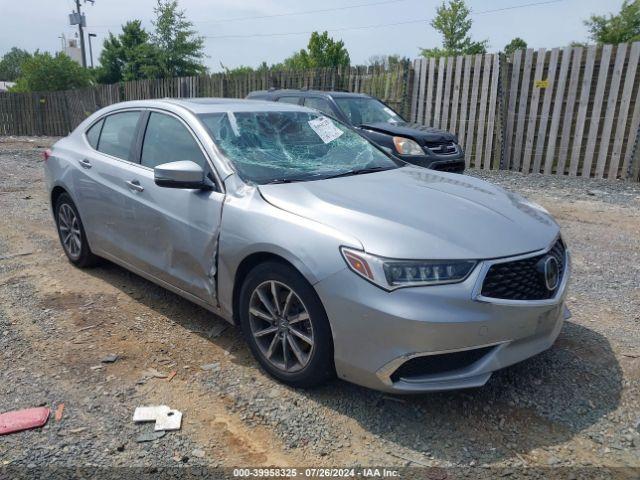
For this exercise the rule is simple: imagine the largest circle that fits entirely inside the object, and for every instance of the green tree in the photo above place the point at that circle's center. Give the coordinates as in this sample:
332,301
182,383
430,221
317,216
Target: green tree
179,49
515,44
387,61
44,72
11,64
321,51
129,56
620,28
453,22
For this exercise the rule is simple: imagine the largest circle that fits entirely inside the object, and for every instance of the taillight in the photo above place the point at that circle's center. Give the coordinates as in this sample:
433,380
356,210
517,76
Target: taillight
46,154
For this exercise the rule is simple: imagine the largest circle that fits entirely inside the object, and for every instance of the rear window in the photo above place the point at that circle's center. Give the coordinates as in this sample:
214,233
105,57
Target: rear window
93,134
293,100
118,133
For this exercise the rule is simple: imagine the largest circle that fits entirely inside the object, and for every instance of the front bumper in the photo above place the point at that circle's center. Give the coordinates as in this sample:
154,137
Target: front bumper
445,163
375,332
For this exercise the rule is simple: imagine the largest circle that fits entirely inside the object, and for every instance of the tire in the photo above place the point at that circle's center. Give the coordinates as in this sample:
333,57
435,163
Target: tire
68,222
293,360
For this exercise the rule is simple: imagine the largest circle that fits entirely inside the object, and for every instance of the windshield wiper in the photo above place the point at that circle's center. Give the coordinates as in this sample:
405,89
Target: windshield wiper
359,171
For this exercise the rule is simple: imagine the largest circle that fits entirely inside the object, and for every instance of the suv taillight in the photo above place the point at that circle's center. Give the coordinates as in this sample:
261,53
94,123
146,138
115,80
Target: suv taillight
46,154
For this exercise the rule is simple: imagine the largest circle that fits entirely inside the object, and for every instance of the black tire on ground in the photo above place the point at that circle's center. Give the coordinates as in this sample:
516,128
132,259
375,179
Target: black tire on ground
320,367
83,257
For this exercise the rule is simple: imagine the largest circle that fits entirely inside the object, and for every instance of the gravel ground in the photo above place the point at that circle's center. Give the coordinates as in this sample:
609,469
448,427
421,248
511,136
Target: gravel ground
576,405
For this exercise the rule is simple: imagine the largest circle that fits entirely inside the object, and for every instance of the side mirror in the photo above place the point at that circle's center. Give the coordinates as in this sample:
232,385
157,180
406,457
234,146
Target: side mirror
183,174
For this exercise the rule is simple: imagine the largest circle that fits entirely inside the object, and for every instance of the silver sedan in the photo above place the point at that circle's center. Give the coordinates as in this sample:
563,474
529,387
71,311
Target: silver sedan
332,256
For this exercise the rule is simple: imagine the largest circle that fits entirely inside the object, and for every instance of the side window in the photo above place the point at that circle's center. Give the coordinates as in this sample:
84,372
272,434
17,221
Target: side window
118,133
319,104
93,134
168,140
294,100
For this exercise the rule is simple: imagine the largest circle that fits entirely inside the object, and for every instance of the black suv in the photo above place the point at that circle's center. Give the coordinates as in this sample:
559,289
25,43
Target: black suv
411,142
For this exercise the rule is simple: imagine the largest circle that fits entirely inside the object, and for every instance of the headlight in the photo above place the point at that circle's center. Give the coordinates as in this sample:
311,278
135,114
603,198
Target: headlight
391,274
406,146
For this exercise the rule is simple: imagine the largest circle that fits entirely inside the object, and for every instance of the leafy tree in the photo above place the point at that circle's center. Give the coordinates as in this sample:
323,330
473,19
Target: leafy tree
620,28
44,72
453,22
179,49
11,64
387,61
321,51
129,56
515,44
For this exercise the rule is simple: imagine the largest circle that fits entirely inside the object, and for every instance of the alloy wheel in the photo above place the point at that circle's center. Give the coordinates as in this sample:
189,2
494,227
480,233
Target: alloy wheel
281,326
69,228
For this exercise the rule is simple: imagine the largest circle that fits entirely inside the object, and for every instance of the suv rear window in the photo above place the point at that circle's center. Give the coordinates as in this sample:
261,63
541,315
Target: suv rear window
289,99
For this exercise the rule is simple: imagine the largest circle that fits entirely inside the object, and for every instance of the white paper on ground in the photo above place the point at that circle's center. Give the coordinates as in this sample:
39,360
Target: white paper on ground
165,417
325,129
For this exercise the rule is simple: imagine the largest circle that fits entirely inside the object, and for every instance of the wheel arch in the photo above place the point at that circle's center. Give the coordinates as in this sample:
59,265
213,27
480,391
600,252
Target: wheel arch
245,266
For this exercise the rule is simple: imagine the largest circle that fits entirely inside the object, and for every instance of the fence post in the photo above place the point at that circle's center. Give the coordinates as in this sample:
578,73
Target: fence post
633,171
503,103
408,79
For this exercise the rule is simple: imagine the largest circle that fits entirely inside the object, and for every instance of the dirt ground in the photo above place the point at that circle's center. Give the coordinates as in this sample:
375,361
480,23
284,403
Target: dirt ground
576,405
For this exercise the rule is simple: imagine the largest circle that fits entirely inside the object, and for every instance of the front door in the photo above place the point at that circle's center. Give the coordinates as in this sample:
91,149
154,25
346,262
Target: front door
175,230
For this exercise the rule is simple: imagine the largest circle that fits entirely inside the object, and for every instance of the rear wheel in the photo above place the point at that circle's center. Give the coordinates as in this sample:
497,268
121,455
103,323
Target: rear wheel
71,233
286,326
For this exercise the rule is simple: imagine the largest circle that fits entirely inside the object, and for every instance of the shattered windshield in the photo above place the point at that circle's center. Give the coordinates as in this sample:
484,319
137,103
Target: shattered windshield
362,111
279,147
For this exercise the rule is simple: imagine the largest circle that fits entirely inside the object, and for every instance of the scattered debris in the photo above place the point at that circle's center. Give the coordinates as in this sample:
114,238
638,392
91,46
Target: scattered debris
88,328
111,358
165,417
59,412
150,436
217,330
198,453
14,255
631,355
210,366
96,367
402,457
18,420
78,430
153,373
171,375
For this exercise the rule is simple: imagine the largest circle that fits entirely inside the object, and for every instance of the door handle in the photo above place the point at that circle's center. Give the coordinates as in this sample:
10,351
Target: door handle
84,163
135,185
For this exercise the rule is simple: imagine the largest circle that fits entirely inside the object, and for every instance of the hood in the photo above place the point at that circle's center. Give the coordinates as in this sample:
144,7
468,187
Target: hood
420,133
415,213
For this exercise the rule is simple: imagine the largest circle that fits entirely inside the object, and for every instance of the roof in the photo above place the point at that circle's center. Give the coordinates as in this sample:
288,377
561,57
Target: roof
332,93
214,105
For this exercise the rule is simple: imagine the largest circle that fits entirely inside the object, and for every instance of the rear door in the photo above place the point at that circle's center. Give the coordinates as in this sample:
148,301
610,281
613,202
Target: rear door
103,197
175,230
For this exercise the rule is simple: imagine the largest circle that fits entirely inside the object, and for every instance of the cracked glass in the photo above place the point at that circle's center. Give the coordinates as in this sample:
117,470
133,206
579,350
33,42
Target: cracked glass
287,146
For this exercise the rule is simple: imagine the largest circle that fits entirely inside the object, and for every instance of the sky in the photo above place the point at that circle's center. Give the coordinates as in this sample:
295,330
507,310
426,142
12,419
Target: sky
232,39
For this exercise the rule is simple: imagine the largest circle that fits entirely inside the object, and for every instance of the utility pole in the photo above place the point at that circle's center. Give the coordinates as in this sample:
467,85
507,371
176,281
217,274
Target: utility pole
81,33
91,35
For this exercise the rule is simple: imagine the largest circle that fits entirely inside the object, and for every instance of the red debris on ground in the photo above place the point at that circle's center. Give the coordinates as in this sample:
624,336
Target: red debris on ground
59,410
18,420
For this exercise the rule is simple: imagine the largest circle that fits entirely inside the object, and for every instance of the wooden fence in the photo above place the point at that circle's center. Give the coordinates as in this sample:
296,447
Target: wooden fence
564,111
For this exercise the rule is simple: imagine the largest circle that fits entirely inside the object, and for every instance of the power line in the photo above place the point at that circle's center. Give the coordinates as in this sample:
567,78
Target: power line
282,34
305,12
365,27
517,6
289,14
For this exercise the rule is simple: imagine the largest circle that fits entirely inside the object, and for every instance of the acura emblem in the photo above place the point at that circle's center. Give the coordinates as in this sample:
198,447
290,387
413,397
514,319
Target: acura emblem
550,271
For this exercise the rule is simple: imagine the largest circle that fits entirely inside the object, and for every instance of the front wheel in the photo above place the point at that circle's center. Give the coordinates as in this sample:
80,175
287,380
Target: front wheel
286,326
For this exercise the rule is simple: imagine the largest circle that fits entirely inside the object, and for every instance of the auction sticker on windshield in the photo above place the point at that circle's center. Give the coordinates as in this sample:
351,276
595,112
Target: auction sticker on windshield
325,129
